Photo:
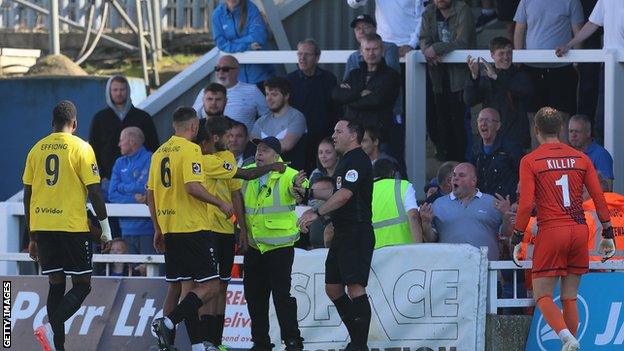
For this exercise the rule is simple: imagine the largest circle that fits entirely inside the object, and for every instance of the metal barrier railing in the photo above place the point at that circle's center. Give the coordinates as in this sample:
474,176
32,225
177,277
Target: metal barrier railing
495,267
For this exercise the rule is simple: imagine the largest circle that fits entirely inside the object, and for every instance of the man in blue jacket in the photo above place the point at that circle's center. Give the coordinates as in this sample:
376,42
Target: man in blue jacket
127,186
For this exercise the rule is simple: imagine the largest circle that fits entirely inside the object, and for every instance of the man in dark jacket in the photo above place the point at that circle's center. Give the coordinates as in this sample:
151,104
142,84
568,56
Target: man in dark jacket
108,123
311,94
496,158
447,25
504,88
369,92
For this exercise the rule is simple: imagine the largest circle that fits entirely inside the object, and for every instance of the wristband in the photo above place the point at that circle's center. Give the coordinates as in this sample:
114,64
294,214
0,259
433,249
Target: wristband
106,231
516,237
607,233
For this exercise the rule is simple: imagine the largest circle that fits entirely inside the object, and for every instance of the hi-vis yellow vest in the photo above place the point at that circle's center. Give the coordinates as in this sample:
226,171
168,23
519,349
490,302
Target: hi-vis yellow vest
389,217
270,211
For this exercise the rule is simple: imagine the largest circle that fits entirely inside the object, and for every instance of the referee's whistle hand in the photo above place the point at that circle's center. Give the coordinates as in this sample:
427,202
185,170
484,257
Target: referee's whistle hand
306,219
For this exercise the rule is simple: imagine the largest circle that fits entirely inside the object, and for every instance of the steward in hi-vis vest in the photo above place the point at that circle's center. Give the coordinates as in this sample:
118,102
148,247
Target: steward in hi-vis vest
272,228
395,211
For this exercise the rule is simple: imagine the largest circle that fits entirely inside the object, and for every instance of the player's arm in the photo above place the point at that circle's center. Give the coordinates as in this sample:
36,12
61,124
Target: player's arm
239,211
26,200
99,206
607,243
257,172
151,204
196,190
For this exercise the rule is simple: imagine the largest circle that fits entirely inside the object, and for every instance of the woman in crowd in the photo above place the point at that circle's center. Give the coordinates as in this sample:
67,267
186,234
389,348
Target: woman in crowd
238,26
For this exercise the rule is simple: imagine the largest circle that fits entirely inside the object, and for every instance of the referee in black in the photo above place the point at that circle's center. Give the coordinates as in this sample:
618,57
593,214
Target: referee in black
349,205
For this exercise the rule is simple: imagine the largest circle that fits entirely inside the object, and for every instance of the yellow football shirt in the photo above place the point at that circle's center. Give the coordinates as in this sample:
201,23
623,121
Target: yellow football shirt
59,167
219,169
177,162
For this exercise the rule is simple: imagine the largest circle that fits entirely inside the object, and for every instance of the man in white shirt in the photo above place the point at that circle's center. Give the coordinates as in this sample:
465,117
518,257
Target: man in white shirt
398,21
245,102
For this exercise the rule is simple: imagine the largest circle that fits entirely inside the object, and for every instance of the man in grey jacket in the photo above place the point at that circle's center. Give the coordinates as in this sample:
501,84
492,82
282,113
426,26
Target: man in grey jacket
448,25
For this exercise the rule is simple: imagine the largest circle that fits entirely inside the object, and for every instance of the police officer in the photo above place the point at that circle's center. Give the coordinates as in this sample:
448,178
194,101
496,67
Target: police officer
272,228
349,205
395,212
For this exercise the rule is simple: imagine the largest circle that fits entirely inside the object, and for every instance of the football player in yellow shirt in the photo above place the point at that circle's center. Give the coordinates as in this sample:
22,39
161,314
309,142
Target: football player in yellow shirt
60,172
177,202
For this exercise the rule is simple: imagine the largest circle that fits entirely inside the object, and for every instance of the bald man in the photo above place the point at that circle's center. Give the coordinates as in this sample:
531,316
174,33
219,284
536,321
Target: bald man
245,102
127,186
466,215
496,158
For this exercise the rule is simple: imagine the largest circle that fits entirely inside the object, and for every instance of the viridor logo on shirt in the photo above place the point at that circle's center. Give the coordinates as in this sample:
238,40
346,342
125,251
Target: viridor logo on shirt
48,210
547,338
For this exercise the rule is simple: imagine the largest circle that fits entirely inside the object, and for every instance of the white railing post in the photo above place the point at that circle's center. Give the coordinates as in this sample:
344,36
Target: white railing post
10,238
415,121
613,115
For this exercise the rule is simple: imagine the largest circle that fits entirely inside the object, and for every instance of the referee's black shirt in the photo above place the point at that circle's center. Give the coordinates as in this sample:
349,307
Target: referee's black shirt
354,172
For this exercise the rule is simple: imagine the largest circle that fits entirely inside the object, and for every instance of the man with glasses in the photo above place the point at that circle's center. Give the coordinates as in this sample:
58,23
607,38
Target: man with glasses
245,102
496,158
311,94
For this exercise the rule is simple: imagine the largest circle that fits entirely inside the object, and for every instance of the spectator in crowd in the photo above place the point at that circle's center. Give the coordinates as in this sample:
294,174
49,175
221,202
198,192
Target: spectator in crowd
466,215
448,25
431,187
213,101
370,145
496,158
311,94
108,123
579,136
399,21
284,122
503,87
369,92
605,14
395,212
245,102
615,203
318,228
239,144
505,11
326,161
363,25
127,186
119,269
238,26
444,175
546,25
487,16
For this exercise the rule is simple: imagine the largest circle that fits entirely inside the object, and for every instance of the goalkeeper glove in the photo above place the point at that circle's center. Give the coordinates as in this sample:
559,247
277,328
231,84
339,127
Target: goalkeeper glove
515,242
106,231
607,244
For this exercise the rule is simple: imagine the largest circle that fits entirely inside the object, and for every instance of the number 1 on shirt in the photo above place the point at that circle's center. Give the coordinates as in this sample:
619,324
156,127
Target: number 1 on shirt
565,189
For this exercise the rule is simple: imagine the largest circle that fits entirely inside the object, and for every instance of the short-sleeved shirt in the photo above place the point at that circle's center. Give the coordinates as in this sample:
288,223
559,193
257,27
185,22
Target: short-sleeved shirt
177,162
354,172
220,169
601,158
549,23
58,168
610,15
291,121
476,223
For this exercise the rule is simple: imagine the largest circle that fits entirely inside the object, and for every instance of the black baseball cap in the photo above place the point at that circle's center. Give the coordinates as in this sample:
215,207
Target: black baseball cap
363,18
271,142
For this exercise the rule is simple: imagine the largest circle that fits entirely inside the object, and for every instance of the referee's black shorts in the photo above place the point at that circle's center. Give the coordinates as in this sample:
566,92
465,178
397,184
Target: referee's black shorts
66,252
224,246
190,256
350,255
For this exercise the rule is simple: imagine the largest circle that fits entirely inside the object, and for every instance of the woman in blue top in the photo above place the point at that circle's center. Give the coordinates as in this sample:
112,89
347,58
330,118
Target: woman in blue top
237,26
